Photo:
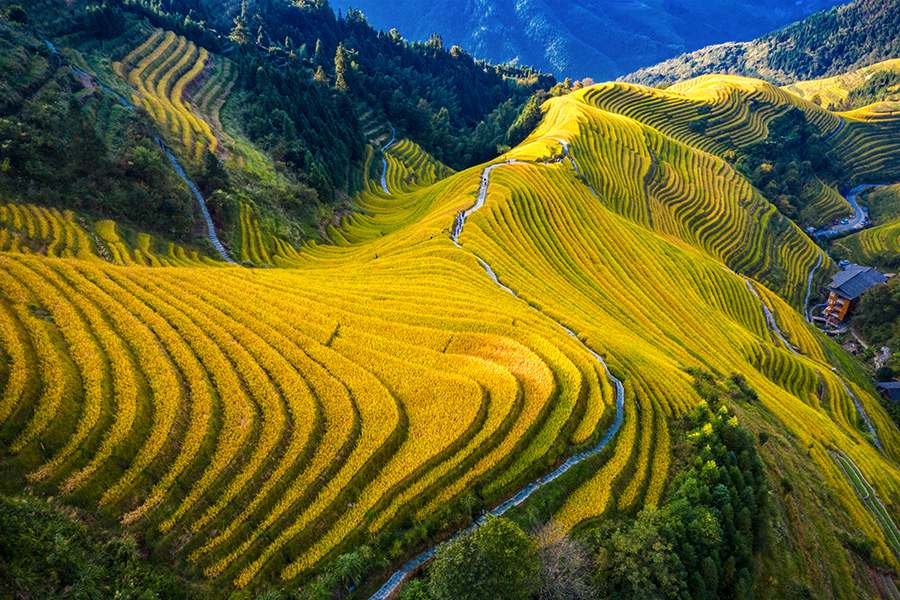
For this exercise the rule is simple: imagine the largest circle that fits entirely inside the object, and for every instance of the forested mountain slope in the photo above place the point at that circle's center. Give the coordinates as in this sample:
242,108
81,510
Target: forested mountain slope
277,120
826,44
585,38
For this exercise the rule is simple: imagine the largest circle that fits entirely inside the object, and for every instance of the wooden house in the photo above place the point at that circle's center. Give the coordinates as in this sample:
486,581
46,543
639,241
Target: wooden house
845,290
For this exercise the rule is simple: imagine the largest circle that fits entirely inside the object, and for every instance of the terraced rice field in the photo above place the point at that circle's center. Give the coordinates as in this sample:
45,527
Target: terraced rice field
253,247
411,168
677,191
159,70
736,110
869,145
34,229
833,90
259,247
827,202
259,422
878,245
29,229
208,100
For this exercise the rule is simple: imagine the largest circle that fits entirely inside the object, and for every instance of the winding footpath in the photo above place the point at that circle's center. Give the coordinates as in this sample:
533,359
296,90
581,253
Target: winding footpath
770,318
384,160
211,230
397,578
836,131
869,498
773,325
461,216
864,415
568,154
93,79
806,308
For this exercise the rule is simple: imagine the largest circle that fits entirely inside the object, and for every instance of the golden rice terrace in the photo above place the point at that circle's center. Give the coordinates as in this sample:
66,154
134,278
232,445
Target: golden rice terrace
260,421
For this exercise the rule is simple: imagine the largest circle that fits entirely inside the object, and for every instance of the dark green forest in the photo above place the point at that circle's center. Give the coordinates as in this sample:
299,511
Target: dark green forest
314,89
825,44
786,163
313,75
48,552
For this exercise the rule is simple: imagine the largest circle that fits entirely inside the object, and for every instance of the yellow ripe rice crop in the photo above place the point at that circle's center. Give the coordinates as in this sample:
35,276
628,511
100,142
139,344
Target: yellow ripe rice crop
260,422
411,168
160,70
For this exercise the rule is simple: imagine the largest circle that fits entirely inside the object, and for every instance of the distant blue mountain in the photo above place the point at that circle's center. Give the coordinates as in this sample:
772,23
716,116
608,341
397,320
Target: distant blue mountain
600,39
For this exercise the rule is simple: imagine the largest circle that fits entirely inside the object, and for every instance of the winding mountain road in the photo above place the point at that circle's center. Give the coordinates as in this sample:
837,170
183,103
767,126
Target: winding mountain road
859,215
770,318
461,217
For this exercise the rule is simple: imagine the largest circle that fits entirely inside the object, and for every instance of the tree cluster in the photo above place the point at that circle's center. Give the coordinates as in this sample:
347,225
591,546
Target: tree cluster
878,87
700,544
782,165
877,317
457,108
45,553
54,150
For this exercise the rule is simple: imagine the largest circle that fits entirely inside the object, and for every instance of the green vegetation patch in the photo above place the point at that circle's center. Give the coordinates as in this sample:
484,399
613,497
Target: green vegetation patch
48,553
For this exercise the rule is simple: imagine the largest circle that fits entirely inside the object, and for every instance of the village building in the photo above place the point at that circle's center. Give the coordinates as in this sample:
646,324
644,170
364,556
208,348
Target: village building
889,390
845,290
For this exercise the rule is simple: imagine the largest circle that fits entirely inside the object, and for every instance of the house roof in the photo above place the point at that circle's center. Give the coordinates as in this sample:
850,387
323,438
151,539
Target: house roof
853,281
892,388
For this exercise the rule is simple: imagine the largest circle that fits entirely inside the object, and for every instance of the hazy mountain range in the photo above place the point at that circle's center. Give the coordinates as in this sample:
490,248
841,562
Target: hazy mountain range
586,38
829,43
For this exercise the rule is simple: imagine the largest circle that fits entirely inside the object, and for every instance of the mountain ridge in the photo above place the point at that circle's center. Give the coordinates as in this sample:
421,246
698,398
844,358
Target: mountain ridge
827,44
562,37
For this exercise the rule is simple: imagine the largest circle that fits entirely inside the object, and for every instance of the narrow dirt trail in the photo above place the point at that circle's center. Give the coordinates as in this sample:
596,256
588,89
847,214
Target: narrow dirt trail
806,308
836,131
770,318
210,228
384,160
397,578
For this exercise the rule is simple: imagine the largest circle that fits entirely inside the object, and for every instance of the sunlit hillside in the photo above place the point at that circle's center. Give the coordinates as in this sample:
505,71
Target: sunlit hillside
835,90
257,423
